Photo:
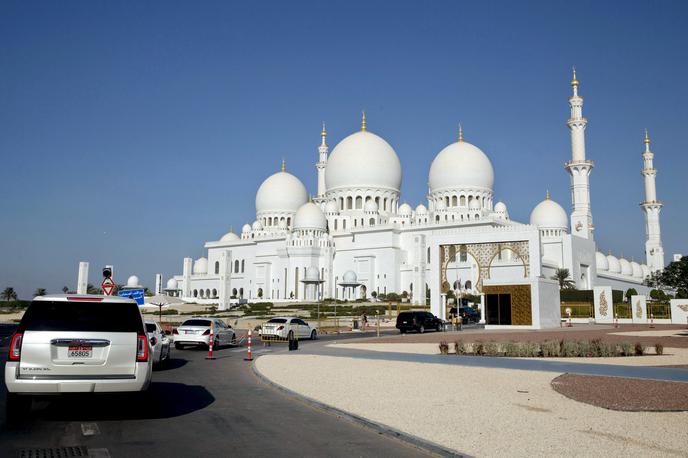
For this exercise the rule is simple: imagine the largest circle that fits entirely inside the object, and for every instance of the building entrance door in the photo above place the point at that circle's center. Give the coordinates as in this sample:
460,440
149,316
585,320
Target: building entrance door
498,310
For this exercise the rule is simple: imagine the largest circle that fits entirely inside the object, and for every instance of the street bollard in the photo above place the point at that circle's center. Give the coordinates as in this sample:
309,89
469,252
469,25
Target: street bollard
616,320
378,322
248,350
210,343
652,320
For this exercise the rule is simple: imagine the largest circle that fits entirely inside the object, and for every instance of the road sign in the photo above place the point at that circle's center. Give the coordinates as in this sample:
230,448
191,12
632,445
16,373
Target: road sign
136,294
108,286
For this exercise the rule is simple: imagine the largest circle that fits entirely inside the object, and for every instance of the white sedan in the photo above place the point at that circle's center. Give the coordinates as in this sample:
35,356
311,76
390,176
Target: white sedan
160,343
196,331
283,327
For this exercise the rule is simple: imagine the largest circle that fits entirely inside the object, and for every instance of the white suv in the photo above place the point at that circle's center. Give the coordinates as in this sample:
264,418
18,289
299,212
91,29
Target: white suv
77,344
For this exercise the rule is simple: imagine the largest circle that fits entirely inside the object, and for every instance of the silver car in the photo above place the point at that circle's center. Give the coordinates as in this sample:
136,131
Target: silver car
160,343
196,332
77,344
287,328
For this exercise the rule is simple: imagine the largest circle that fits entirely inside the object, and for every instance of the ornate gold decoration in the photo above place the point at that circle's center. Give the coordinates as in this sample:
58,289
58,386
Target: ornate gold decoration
283,165
683,307
521,308
363,121
547,195
638,309
460,133
647,137
604,307
574,81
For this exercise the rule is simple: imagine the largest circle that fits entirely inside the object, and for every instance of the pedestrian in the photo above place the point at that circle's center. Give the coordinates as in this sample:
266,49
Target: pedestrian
364,321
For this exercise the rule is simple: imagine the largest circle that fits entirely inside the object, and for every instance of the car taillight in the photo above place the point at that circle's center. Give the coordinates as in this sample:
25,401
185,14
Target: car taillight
15,347
206,332
175,332
280,328
142,349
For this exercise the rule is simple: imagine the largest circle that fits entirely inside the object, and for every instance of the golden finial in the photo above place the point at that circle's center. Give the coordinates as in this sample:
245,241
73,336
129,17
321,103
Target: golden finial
363,121
574,81
647,138
323,133
283,165
547,195
460,133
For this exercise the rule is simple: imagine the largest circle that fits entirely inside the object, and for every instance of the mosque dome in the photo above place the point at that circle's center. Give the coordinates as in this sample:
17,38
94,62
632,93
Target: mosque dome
626,268
331,207
637,271
312,274
500,207
405,209
281,192
257,226
200,266
601,261
461,165
310,216
171,283
229,237
363,159
349,277
646,270
370,207
133,281
614,265
246,229
421,210
549,214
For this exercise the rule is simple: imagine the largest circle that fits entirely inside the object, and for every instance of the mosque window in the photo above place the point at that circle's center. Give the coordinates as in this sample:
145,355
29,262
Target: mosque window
437,218
195,293
214,292
341,203
446,201
463,253
462,201
454,201
236,266
207,292
359,203
335,225
217,267
242,266
349,202
234,292
384,204
372,221
289,222
343,224
260,293
241,292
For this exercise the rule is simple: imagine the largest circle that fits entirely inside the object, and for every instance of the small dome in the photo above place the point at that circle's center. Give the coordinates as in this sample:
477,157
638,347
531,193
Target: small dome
549,214
626,268
637,271
257,226
363,159
646,270
461,165
331,207
370,207
349,277
440,205
171,283
500,207
601,261
281,192
133,281
405,209
474,204
310,216
246,228
200,266
229,237
614,265
421,210
312,273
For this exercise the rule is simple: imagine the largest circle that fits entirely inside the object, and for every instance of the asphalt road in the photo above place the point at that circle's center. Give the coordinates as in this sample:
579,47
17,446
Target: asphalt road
195,407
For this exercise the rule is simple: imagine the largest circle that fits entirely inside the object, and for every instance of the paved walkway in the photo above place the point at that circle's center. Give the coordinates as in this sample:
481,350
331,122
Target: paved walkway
649,373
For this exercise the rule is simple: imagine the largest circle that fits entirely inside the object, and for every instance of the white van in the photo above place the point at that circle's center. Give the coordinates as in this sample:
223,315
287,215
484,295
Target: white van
77,344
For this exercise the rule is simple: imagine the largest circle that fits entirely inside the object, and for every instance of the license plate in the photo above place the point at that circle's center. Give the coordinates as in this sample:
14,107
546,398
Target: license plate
189,332
80,351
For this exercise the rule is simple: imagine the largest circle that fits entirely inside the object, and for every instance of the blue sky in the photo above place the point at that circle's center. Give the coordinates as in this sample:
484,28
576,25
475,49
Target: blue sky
132,132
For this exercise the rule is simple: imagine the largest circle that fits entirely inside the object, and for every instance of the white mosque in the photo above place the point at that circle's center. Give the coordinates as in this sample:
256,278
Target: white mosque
356,237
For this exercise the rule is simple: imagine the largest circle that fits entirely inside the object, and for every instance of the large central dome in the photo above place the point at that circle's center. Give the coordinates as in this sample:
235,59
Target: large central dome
461,165
363,159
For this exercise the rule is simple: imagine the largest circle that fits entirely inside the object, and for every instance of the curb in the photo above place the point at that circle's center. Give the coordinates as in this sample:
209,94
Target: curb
380,428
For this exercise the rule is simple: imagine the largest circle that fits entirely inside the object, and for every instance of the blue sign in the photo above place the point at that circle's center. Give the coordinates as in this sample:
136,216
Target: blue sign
136,294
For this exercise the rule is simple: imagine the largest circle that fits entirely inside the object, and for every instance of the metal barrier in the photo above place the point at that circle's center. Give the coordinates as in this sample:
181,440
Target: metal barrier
659,310
623,310
578,309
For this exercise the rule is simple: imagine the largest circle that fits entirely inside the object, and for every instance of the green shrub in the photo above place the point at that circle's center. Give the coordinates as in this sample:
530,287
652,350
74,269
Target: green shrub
491,349
639,349
479,349
627,349
607,349
444,348
569,348
659,348
596,348
512,349
585,349
531,349
459,348
551,348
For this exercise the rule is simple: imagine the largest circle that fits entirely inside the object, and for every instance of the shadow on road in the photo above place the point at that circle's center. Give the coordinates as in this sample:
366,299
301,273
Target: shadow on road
170,364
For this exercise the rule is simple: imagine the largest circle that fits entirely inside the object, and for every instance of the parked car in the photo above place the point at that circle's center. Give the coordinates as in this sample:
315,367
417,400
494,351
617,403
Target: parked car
418,321
283,327
196,331
160,343
467,314
77,344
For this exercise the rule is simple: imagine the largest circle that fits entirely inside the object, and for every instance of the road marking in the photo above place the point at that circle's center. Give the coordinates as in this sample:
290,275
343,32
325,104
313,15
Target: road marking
90,429
98,453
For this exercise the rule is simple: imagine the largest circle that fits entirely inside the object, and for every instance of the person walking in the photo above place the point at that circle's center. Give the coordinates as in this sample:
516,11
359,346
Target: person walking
364,321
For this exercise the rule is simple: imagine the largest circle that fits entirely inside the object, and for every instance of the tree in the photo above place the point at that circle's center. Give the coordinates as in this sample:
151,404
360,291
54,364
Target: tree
9,294
658,295
564,278
40,292
374,294
90,289
631,292
675,275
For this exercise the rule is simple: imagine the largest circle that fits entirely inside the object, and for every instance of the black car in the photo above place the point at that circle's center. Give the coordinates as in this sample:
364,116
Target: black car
418,321
469,314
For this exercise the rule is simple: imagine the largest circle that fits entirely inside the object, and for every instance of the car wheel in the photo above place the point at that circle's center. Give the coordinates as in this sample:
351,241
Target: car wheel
234,339
421,329
439,327
178,346
314,335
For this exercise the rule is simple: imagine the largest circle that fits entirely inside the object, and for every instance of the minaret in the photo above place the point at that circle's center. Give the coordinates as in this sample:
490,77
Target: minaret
579,167
322,163
651,206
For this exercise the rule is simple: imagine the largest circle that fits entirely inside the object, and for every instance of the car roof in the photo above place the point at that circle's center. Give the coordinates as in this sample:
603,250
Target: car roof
83,297
286,317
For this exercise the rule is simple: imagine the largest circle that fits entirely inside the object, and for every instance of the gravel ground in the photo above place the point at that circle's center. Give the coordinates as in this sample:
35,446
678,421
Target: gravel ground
628,394
677,357
478,411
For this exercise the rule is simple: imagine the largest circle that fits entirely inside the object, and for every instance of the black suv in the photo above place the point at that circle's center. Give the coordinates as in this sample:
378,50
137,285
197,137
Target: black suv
418,321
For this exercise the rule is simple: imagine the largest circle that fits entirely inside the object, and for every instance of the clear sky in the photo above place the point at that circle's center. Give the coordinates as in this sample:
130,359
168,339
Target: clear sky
132,132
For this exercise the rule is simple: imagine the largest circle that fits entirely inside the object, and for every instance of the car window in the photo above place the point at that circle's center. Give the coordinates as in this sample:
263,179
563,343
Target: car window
82,316
150,327
278,320
220,324
406,315
196,322
298,321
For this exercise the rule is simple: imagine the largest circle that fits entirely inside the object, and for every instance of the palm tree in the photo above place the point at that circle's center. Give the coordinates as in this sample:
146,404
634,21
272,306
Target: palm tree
564,278
9,294
90,289
40,292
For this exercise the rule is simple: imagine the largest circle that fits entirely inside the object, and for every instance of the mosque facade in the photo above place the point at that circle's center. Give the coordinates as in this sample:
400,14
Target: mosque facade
356,238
